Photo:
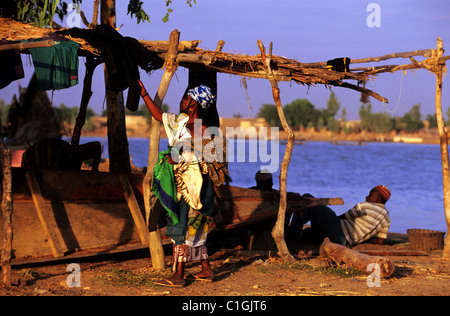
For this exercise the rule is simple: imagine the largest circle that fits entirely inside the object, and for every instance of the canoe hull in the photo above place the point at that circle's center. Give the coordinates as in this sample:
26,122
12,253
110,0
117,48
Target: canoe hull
89,214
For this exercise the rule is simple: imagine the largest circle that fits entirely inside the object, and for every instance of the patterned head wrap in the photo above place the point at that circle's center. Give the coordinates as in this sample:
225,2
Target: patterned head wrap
203,95
385,192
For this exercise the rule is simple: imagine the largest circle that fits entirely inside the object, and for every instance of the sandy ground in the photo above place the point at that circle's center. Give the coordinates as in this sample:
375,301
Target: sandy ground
238,273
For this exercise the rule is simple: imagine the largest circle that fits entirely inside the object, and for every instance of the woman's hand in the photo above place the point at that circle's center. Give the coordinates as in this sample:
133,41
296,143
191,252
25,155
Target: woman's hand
143,90
170,160
151,106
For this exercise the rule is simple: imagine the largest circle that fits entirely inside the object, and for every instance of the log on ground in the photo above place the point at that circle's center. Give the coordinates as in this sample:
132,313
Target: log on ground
343,255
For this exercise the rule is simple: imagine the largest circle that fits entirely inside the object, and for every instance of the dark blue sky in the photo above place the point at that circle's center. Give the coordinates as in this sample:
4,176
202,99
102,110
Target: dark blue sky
307,31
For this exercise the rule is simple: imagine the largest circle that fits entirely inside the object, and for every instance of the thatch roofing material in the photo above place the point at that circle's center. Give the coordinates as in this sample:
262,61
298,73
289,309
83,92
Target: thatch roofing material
190,56
13,31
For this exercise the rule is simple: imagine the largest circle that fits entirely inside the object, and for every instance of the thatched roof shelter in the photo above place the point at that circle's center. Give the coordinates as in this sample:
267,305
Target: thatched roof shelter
267,66
191,56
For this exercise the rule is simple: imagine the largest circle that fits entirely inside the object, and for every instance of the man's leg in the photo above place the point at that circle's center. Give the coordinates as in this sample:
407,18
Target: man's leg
325,223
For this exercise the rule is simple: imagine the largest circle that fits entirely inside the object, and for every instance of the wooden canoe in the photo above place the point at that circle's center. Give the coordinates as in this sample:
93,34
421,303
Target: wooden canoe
68,213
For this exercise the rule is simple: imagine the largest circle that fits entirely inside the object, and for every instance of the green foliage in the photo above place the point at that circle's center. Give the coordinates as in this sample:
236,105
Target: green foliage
4,109
69,115
301,113
135,9
135,278
412,119
273,266
432,121
270,114
374,122
448,116
169,10
42,12
329,114
39,12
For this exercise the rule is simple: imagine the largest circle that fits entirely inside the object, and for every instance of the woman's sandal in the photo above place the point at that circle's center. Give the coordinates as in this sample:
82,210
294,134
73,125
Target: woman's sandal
169,283
193,277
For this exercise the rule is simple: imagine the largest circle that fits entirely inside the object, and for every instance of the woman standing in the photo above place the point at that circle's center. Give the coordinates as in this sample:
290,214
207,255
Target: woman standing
188,224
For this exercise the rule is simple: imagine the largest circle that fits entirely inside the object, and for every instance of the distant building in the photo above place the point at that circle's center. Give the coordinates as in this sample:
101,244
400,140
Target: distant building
245,127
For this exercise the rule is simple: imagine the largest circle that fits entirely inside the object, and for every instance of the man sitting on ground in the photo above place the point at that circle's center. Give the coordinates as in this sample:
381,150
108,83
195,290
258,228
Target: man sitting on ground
366,221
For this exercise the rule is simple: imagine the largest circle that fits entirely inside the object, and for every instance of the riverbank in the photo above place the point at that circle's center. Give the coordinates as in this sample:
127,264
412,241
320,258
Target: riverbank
137,127
241,273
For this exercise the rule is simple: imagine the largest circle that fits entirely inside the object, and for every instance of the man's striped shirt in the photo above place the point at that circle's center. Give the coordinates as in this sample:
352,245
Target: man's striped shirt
364,221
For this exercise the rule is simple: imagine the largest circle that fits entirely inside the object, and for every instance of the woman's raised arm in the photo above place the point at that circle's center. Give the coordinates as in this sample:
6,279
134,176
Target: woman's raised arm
151,106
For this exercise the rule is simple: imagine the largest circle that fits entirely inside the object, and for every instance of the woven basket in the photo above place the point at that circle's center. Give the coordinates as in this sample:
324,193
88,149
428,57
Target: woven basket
425,240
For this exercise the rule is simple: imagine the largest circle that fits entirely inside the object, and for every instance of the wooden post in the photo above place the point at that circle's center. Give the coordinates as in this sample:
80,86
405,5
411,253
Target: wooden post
119,155
6,211
134,209
443,139
46,218
90,65
155,245
278,230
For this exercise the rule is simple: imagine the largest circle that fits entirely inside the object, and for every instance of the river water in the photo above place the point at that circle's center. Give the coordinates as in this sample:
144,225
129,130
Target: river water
413,173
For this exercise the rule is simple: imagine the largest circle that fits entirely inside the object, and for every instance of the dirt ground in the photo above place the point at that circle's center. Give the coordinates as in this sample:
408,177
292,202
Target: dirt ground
238,272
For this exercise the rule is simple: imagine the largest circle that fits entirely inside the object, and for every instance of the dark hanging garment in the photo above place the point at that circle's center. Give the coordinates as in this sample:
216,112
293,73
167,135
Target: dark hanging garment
339,64
122,56
56,67
11,67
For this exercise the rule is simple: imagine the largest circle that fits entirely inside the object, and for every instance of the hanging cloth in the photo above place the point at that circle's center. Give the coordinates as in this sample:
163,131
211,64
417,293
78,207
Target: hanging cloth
56,67
164,186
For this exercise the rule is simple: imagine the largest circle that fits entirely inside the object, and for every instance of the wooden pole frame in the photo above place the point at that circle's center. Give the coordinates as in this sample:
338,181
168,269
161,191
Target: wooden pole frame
436,64
438,69
6,229
27,45
278,230
91,64
155,244
46,217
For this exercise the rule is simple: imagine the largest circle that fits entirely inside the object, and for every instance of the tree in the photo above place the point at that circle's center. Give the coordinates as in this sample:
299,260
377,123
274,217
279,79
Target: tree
374,122
344,114
431,119
412,119
4,109
448,116
381,123
365,116
270,114
333,106
301,113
